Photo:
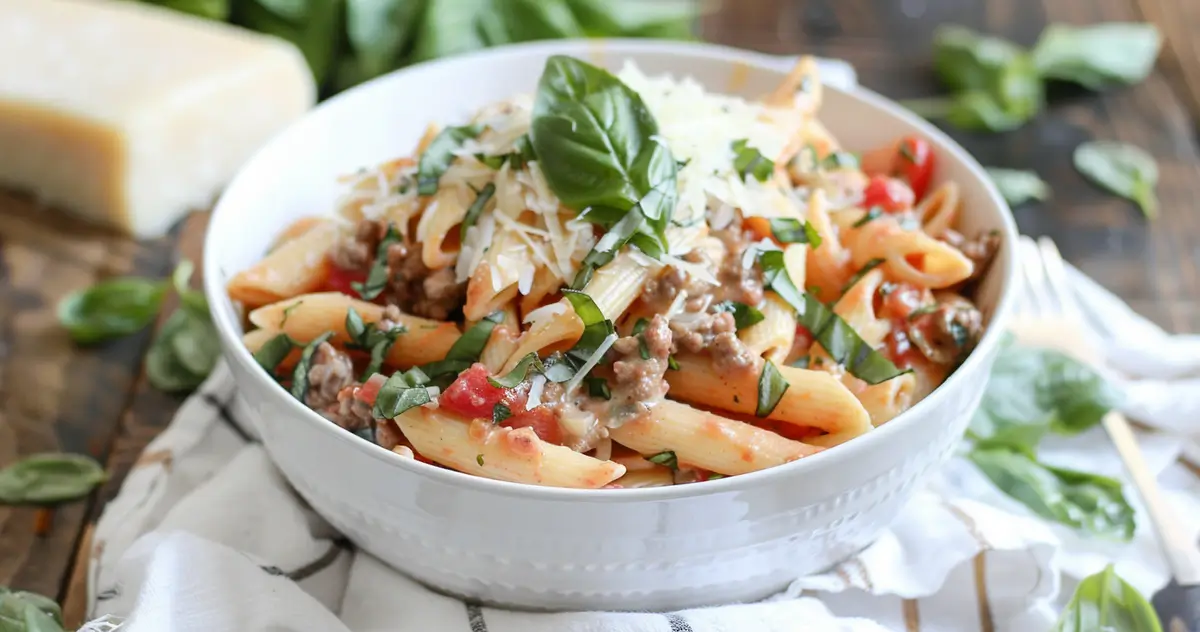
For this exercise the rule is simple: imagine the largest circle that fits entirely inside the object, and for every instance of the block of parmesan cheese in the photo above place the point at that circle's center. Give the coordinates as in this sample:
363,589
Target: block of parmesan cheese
130,115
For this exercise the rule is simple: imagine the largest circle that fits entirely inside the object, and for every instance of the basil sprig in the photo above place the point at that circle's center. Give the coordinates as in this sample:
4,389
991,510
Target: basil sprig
1098,56
369,337
749,162
401,392
436,158
466,350
597,145
1123,169
49,478
665,458
111,309
836,335
788,230
1018,186
22,611
771,387
1088,502
274,351
743,315
377,276
476,208
300,373
1104,601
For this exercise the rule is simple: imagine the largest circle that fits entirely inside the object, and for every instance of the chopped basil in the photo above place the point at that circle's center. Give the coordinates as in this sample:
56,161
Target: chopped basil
377,277
748,161
479,459
476,209
789,230
802,362
401,392
771,387
672,363
840,160
598,387
638,328
466,350
368,337
836,335
743,314
862,272
492,162
596,328
287,311
666,457
873,214
519,372
500,412
274,351
712,476
437,157
522,152
300,373
607,247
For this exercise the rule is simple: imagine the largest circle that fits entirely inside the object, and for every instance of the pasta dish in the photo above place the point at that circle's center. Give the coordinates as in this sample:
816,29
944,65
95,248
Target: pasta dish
623,281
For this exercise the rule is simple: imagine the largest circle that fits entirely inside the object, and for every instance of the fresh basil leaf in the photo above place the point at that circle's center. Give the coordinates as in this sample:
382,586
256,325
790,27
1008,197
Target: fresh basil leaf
748,161
400,393
500,412
318,35
378,32
666,458
287,312
476,209
607,247
840,160
996,82
355,328
294,11
466,350
111,309
530,20
596,328
274,351
862,272
1090,503
598,387
1104,601
672,363
196,344
802,362
966,60
300,373
29,612
663,19
788,230
872,214
208,9
49,478
519,373
771,387
522,152
743,315
437,157
1034,391
449,27
1018,186
1123,169
378,275
1098,56
980,111
183,352
836,336
492,162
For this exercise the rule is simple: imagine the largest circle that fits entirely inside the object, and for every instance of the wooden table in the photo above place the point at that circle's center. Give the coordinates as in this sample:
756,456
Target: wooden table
54,396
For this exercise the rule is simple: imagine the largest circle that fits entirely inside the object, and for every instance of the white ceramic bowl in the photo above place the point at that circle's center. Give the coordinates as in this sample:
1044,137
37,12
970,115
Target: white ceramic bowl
739,538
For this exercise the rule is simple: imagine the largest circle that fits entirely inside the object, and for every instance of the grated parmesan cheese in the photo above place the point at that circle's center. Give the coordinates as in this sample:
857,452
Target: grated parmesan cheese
536,384
590,364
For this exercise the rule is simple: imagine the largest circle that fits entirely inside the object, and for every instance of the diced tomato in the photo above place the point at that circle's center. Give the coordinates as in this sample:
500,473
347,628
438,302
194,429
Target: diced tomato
890,194
915,162
471,395
902,300
370,389
543,421
339,280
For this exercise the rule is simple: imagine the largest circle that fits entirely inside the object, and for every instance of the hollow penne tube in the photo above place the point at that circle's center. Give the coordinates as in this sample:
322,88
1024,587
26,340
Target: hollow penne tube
494,282
482,448
296,229
940,265
827,267
708,440
939,210
772,337
642,473
545,283
857,308
308,316
437,230
296,267
503,341
885,400
813,398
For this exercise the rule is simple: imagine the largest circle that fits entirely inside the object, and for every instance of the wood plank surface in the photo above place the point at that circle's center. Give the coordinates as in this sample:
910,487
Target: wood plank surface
55,396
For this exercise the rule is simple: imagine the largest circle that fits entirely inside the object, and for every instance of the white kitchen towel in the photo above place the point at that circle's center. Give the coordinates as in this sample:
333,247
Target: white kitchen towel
206,536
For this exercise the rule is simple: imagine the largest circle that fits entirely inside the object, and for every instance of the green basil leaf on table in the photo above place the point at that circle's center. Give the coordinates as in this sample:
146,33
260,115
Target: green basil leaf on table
836,336
378,275
274,351
665,458
1018,185
318,34
1098,56
183,353
966,60
789,230
111,309
401,392
974,110
749,162
1123,169
436,158
743,315
209,9
771,387
15,603
996,83
476,208
1089,503
1034,391
466,350
49,478
1104,601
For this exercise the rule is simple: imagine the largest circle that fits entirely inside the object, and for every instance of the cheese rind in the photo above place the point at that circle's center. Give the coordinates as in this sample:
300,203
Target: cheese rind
130,115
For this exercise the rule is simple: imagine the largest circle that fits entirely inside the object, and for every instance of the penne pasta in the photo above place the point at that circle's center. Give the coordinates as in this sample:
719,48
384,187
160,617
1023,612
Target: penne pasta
438,229
503,340
296,267
773,337
885,400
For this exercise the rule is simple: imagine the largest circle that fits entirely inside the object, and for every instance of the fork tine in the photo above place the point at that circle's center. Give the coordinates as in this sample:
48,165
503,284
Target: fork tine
1056,274
1037,295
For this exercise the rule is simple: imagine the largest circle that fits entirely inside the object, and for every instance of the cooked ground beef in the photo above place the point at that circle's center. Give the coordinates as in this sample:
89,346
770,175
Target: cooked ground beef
417,289
638,382
981,250
730,355
947,333
330,371
698,332
357,251
350,412
738,283
387,435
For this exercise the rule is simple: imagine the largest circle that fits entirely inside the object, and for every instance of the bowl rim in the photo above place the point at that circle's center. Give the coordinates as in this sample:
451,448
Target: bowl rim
214,286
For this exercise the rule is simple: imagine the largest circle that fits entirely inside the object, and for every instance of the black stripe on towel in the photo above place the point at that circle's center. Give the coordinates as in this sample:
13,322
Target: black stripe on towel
222,409
475,618
678,623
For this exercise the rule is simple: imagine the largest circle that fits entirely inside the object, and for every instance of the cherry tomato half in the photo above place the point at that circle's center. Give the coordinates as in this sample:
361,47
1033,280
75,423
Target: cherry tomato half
915,162
890,194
